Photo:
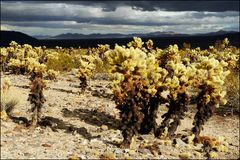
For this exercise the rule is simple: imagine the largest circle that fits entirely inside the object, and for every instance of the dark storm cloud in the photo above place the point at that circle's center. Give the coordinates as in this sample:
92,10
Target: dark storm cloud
212,6
109,16
185,5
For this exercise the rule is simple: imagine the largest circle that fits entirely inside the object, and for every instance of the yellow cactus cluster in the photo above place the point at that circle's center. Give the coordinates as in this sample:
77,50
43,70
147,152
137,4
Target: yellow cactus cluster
137,43
3,56
23,58
26,59
87,66
212,74
133,63
140,76
52,74
173,69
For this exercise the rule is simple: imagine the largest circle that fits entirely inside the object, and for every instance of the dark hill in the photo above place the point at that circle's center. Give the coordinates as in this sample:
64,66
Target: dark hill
20,38
202,41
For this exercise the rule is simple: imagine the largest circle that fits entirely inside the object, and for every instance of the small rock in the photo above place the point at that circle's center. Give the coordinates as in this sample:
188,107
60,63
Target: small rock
104,127
38,129
221,138
133,144
108,155
199,147
159,141
46,145
197,154
144,151
166,153
155,153
16,112
117,140
146,137
85,142
131,152
127,157
190,139
17,129
185,155
177,146
27,154
168,142
225,144
96,152
81,148
118,151
96,143
93,129
83,157
189,146
180,143
174,154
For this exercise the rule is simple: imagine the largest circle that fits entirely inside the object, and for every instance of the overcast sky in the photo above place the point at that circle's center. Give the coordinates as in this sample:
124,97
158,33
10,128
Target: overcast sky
52,18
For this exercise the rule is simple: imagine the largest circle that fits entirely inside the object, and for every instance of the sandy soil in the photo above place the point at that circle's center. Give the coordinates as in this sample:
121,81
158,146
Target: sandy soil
86,126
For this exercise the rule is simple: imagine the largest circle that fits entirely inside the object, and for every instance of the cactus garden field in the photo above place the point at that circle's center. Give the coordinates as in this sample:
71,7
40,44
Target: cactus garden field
135,101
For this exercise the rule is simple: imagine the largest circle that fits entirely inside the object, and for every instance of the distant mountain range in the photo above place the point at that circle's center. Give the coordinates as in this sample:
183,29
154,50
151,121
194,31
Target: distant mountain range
160,39
118,35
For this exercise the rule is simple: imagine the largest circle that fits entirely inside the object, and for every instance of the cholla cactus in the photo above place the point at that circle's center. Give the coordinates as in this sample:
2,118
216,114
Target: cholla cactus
3,58
52,74
86,69
178,84
211,77
149,44
137,43
102,49
36,96
136,77
17,66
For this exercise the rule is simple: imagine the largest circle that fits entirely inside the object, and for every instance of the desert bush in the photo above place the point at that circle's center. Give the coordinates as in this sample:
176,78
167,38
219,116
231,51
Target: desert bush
232,87
8,98
8,101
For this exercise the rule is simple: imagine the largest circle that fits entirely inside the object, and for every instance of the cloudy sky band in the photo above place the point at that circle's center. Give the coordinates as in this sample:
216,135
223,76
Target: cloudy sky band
119,17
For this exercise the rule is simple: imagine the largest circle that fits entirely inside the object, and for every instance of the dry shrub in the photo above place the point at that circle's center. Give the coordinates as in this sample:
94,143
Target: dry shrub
8,98
232,86
8,101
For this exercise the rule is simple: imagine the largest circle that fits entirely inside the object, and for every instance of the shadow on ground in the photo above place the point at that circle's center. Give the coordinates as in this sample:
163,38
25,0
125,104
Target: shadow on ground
55,124
93,117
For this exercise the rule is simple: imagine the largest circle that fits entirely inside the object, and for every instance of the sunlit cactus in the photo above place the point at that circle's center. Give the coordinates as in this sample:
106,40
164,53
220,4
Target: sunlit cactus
52,74
135,79
86,68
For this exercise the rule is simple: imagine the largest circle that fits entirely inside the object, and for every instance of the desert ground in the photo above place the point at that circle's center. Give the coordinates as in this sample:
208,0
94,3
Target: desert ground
86,126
